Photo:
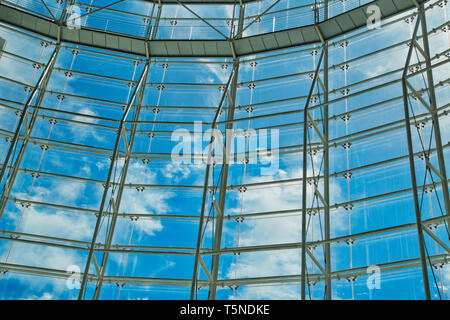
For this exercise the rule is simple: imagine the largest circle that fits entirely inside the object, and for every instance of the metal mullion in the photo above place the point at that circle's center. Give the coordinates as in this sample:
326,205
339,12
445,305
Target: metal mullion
219,122
195,280
205,185
304,184
228,217
434,116
53,205
63,274
312,244
117,201
437,137
19,235
349,86
225,166
186,84
41,84
107,185
378,196
414,182
83,98
42,243
338,275
389,127
70,146
48,9
93,75
318,120
276,101
326,169
103,151
128,251
426,105
425,68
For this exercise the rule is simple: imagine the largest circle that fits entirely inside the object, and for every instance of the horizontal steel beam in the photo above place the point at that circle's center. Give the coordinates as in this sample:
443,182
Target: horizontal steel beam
364,134
36,239
295,278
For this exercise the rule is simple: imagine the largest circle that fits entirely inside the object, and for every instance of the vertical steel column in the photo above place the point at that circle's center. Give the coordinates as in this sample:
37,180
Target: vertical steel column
415,195
224,176
323,135
119,194
200,227
40,86
326,169
150,33
413,169
205,189
305,177
434,115
115,204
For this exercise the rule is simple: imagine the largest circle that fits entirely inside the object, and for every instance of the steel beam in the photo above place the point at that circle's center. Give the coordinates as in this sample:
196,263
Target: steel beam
232,81
326,170
28,124
305,175
285,150
434,115
413,171
407,264
72,244
137,93
102,151
206,188
225,168
116,202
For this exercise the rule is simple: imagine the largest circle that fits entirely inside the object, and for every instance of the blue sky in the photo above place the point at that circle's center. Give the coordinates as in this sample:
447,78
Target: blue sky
110,95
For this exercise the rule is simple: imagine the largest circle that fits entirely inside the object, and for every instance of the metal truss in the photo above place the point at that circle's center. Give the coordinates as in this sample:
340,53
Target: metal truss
214,140
429,103
318,197
7,180
320,191
230,92
114,200
229,95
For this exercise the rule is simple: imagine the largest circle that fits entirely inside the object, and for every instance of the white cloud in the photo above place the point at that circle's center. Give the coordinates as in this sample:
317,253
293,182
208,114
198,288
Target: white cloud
83,132
176,171
44,296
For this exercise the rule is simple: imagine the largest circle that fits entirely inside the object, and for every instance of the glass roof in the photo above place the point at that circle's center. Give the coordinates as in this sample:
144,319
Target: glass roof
128,135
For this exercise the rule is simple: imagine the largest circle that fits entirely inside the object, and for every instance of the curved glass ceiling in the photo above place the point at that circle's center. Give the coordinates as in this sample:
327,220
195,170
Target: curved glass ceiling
112,187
